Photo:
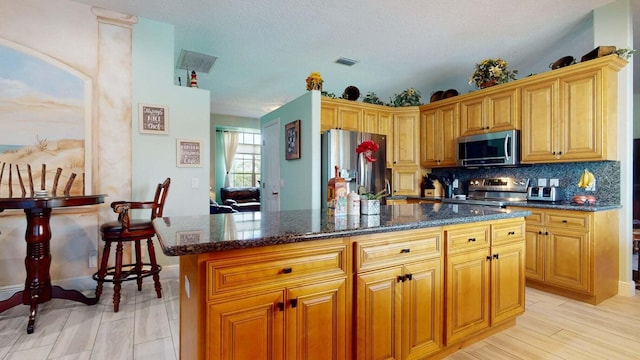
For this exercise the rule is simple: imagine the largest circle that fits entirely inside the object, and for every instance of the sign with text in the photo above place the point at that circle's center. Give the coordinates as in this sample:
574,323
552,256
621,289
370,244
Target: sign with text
153,119
189,153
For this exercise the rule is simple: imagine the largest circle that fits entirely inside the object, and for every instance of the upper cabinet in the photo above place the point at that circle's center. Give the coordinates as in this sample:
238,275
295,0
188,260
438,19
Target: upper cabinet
491,111
340,116
438,135
571,117
406,138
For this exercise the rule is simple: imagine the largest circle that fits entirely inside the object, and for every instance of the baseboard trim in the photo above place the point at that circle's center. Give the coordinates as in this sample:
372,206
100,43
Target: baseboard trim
85,284
626,288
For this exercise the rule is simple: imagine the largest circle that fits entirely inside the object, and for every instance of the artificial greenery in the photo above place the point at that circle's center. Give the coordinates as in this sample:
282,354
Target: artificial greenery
489,70
372,98
409,97
625,53
328,94
371,196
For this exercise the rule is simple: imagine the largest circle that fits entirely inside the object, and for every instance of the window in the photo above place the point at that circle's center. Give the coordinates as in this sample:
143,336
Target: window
245,170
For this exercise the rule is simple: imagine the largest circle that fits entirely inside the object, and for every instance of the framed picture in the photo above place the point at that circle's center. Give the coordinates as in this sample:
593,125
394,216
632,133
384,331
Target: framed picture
189,153
292,140
153,119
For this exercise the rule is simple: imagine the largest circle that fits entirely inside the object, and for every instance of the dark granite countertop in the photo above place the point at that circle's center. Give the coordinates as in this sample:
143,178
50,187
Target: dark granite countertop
559,205
185,235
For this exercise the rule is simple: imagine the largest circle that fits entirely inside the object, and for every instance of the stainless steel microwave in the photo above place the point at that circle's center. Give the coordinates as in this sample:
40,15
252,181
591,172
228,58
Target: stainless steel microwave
500,148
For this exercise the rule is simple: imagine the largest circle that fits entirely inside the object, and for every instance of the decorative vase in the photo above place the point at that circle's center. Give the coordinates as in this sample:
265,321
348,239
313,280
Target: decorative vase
370,207
488,83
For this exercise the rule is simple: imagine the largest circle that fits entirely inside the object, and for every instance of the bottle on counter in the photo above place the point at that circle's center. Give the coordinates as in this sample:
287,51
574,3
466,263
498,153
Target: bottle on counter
353,204
337,195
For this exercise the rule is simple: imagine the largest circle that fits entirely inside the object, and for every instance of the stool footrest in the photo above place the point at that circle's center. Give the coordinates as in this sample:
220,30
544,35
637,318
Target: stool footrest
129,272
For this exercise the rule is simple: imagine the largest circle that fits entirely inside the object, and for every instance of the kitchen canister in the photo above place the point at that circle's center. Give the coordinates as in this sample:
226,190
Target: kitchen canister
353,204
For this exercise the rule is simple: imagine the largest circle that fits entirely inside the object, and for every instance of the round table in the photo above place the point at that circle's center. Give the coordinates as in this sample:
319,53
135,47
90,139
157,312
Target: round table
37,287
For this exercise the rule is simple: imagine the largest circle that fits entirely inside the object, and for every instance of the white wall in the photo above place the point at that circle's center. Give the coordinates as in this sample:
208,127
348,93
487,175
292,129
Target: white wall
300,177
613,25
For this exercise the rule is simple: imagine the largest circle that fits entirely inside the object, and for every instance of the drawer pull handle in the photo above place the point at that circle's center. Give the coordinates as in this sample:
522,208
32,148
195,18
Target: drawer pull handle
405,251
409,276
400,278
293,302
287,270
511,233
564,221
496,256
280,306
471,240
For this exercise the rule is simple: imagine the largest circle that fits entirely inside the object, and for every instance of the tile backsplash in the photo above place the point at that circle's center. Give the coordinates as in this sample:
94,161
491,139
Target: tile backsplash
607,174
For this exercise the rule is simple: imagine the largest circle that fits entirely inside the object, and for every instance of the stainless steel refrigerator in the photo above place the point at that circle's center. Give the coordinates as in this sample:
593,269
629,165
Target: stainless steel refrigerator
339,149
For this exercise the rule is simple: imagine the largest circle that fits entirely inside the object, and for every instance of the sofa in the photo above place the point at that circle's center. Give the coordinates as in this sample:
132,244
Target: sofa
241,198
215,208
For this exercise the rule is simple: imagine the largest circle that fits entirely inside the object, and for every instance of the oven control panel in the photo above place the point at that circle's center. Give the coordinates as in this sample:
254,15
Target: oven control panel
499,184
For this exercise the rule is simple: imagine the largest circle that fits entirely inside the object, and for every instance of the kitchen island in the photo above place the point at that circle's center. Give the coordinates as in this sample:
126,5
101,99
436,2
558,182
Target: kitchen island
416,281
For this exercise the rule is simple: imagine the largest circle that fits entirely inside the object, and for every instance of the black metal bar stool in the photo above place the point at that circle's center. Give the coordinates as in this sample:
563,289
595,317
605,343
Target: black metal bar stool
126,229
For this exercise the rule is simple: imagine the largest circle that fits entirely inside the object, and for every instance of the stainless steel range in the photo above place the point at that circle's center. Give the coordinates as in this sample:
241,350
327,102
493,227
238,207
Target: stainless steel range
494,191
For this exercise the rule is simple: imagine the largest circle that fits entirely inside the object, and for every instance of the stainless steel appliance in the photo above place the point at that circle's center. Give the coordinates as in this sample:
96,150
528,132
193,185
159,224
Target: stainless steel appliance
490,149
545,193
494,191
339,149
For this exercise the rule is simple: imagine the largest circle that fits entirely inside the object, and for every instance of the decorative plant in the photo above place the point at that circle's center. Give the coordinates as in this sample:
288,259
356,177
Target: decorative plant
314,81
409,97
372,98
371,196
367,148
490,72
328,94
625,53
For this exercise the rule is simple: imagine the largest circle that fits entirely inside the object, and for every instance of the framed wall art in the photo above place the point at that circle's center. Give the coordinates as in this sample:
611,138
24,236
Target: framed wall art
153,119
292,140
189,153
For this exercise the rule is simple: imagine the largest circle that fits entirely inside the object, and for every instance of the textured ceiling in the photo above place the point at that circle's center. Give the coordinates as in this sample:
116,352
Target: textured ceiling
266,49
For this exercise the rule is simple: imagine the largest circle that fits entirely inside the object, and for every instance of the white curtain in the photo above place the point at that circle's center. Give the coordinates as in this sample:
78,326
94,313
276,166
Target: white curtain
230,142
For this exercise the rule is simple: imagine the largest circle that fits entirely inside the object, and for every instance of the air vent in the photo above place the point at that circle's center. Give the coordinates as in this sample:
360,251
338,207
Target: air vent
346,61
191,60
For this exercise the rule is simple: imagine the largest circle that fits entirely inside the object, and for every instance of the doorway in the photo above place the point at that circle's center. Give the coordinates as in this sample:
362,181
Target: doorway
271,166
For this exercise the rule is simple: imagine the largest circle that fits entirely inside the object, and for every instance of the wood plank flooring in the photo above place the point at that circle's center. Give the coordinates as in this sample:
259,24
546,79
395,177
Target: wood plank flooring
146,327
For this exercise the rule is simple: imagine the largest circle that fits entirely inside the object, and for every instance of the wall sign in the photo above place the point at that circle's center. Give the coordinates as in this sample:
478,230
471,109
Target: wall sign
189,153
153,119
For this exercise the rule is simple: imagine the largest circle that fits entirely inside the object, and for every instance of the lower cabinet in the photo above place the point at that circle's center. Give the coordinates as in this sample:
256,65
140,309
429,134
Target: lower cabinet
573,253
485,277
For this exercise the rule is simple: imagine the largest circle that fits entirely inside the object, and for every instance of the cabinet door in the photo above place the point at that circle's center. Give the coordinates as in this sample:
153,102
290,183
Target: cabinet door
328,117
246,328
406,136
568,259
449,135
378,312
534,258
406,181
430,150
539,135
386,128
467,307
422,309
472,114
581,111
349,118
316,321
507,281
502,110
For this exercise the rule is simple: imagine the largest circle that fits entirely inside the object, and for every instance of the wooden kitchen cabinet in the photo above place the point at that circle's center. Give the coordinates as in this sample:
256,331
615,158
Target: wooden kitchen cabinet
439,132
406,180
406,138
571,117
483,262
380,122
490,111
399,296
573,253
340,116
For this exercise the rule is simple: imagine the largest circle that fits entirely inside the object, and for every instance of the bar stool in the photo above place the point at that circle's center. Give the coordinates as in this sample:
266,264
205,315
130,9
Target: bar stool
133,230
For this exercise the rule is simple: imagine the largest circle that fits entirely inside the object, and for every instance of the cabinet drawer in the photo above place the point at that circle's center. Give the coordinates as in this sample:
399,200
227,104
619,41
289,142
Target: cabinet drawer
536,217
466,238
264,270
567,220
506,232
381,250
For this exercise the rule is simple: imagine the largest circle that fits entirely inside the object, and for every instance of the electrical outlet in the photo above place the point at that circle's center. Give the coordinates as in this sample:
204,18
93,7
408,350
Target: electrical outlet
542,182
93,259
554,182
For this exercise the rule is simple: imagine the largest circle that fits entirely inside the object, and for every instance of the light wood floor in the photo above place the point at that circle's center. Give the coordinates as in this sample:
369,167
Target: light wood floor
146,327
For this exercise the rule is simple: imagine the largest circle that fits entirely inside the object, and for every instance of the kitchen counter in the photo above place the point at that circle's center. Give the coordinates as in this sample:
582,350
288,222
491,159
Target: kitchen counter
559,205
187,235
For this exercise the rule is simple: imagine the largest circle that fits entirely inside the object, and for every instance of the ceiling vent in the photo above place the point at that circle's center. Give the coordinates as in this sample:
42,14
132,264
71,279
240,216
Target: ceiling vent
191,60
346,61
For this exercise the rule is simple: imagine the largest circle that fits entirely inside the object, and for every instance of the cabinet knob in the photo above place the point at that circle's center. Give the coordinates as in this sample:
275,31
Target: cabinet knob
409,276
400,278
560,153
280,306
539,232
546,233
287,270
293,302
488,257
553,153
405,251
496,256
471,240
511,233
